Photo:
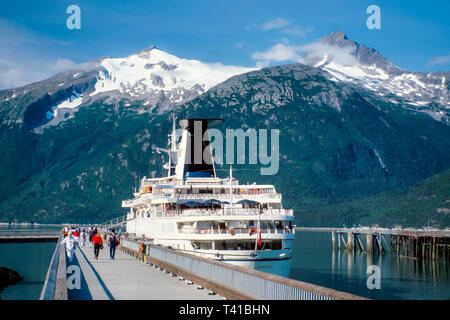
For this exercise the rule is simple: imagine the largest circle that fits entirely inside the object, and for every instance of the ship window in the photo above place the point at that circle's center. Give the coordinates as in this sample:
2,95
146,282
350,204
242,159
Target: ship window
273,245
205,245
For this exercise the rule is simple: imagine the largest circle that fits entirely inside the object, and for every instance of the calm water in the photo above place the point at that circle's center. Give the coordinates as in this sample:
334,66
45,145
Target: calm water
314,261
31,260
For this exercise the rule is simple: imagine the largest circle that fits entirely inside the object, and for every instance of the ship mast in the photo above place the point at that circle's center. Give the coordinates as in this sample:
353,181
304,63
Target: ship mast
231,179
174,134
173,148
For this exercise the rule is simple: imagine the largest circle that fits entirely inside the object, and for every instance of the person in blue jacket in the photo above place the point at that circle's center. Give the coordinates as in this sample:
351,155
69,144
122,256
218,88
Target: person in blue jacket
112,244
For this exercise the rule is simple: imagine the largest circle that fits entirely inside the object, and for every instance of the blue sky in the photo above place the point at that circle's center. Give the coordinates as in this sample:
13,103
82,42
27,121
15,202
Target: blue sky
35,42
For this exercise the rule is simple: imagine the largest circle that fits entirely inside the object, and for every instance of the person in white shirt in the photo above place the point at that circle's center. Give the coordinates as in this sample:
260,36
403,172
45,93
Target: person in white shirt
70,244
83,238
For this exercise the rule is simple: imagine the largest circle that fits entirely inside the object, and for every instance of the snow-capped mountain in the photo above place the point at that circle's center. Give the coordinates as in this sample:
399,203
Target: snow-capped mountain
346,60
153,78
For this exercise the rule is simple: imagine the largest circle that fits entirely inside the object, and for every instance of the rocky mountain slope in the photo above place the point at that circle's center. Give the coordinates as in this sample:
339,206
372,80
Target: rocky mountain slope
156,79
348,61
343,146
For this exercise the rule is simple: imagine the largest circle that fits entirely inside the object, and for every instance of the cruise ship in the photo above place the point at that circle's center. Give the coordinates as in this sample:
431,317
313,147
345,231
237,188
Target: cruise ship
196,212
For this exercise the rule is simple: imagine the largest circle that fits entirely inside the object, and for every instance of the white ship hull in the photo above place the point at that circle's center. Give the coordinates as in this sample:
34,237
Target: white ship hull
162,231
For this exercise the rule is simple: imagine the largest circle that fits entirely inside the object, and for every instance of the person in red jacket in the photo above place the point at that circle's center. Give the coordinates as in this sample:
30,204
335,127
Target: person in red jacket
98,244
76,236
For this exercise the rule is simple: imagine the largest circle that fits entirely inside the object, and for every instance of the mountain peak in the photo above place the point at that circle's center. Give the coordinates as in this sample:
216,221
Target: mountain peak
346,60
338,48
338,39
149,48
338,35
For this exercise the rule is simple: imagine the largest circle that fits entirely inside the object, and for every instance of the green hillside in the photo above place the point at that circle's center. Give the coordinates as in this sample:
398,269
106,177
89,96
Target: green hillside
425,204
341,150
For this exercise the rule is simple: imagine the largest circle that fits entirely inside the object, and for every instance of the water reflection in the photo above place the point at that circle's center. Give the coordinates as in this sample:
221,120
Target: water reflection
315,261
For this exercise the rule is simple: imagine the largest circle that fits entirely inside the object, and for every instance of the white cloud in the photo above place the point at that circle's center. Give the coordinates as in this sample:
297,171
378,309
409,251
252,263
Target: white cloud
278,53
439,60
316,51
275,24
306,54
16,73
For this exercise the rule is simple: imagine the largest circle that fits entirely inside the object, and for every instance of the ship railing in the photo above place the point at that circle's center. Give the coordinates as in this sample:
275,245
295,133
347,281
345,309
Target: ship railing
226,197
233,231
218,196
115,222
224,212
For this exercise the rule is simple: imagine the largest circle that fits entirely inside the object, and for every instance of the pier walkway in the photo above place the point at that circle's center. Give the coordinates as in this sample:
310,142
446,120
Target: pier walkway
161,273
126,278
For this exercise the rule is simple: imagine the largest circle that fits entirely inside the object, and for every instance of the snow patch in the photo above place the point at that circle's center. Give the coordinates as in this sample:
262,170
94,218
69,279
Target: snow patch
72,102
379,159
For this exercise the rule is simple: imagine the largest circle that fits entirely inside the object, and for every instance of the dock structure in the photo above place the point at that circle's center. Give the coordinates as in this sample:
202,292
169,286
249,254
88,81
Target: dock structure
418,244
143,271
21,236
421,246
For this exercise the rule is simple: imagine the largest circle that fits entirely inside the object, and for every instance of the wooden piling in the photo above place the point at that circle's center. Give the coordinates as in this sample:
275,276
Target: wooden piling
361,247
350,241
433,249
369,242
339,240
333,239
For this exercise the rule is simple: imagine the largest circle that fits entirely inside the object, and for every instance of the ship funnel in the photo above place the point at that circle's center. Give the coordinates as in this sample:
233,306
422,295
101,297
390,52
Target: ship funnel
196,159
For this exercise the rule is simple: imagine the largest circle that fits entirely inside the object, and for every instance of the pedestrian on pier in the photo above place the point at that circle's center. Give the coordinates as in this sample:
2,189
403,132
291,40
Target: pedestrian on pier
98,244
112,245
83,238
91,234
70,244
76,235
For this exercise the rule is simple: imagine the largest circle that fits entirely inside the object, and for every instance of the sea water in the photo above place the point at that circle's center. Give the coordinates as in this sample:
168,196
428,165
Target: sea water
31,260
315,261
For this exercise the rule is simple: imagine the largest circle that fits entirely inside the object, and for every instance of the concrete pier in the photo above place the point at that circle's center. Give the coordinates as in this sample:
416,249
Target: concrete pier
126,278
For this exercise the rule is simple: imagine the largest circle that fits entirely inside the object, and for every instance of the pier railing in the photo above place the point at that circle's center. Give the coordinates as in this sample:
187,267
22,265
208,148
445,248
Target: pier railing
55,287
230,281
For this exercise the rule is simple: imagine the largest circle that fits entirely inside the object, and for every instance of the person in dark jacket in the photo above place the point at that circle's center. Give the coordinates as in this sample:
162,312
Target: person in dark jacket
112,244
91,234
